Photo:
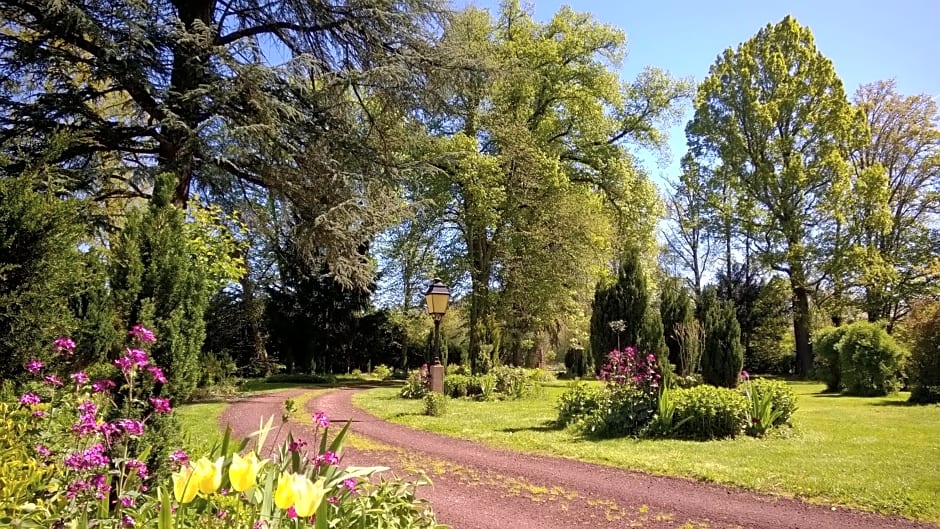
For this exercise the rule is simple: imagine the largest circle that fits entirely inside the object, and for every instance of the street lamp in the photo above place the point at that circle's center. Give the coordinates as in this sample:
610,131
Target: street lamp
437,296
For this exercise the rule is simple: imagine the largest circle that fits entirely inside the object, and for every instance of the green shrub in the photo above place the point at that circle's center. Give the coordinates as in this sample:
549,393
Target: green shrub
386,503
689,381
487,386
299,378
577,402
782,397
870,360
923,329
435,404
381,372
514,382
708,412
826,362
723,355
622,410
356,373
576,362
457,386
416,385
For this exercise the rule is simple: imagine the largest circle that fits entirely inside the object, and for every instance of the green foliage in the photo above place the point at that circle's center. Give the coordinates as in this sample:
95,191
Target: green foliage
781,396
156,280
826,353
769,349
580,400
576,360
416,385
774,116
457,386
708,412
723,356
870,360
40,268
923,332
297,378
387,503
23,473
676,309
626,300
516,382
435,404
381,372
623,410
652,341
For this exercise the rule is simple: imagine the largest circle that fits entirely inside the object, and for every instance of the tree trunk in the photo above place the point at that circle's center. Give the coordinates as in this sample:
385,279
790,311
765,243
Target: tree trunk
801,321
480,271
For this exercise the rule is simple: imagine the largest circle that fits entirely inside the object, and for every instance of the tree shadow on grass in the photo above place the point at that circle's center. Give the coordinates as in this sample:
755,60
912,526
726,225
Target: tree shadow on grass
547,426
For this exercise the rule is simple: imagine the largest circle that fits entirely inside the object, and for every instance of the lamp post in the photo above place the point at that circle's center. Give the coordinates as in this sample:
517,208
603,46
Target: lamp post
437,296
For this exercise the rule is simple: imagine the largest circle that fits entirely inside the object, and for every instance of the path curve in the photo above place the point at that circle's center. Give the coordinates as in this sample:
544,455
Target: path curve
480,487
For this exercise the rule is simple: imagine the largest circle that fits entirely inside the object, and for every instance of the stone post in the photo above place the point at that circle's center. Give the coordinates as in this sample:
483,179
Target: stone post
437,376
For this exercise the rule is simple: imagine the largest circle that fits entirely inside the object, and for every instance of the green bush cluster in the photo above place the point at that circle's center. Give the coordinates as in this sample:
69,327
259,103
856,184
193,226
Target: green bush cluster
622,410
580,400
416,385
923,329
859,359
709,412
435,404
781,396
502,382
381,372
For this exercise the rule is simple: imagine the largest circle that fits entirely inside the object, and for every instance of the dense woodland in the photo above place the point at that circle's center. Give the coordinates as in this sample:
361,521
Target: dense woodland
243,177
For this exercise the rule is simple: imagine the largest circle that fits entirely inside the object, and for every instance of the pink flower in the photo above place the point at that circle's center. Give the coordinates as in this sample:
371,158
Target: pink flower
64,344
333,499
291,513
131,426
127,521
39,414
295,446
744,375
34,365
124,364
328,457
42,450
29,399
142,334
179,457
142,471
157,374
93,457
138,357
320,419
53,380
102,385
79,378
161,405
127,501
350,484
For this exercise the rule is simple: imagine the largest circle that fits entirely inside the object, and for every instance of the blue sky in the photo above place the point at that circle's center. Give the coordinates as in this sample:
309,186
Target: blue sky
867,40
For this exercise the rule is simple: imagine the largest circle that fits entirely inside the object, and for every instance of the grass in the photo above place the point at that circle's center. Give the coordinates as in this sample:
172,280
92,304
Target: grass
200,424
876,454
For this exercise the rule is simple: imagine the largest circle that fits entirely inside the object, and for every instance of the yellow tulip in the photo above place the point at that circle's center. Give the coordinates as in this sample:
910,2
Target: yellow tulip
285,495
208,474
185,485
243,471
309,495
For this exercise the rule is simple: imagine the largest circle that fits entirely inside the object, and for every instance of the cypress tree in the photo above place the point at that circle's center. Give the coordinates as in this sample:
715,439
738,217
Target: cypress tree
675,308
723,356
626,300
157,282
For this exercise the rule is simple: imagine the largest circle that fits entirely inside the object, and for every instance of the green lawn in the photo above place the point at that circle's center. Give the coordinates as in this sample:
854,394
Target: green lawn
876,454
200,425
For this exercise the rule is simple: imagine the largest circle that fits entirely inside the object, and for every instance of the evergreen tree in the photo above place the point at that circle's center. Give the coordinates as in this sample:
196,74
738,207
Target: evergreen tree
723,356
626,300
156,281
675,308
39,235
652,341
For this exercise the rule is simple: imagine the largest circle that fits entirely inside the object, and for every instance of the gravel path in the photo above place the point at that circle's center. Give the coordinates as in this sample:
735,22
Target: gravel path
478,487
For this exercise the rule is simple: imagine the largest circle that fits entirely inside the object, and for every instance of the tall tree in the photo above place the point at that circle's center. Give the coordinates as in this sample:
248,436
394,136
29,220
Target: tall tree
539,124
687,236
298,97
775,114
898,243
625,301
676,310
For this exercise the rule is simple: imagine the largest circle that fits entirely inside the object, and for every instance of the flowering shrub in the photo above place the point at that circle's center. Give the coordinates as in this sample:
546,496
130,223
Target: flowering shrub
417,384
633,368
76,460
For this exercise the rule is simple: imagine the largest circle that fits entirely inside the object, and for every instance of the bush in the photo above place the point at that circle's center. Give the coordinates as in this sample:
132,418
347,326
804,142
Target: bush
782,397
356,373
577,402
708,412
923,330
457,386
416,385
687,382
826,362
723,356
515,382
622,410
381,372
870,360
576,362
435,404
299,378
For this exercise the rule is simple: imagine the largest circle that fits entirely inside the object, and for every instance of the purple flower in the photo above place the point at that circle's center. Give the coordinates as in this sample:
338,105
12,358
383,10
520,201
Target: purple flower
320,419
127,521
53,380
328,458
127,501
142,471
295,446
744,375
34,365
79,378
39,413
291,513
75,488
93,457
157,374
124,364
138,357
42,450
179,457
142,334
132,427
350,484
64,344
161,405
87,407
259,524
29,399
332,499
99,482
102,385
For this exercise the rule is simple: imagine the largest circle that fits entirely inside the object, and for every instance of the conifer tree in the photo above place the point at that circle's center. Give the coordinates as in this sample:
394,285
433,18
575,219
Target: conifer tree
626,300
723,356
